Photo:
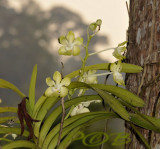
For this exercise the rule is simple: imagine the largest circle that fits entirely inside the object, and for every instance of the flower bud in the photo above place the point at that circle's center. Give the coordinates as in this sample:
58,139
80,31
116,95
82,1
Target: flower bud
93,26
99,22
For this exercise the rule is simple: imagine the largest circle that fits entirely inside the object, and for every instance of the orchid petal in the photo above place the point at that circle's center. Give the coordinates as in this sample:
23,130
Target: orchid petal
49,91
50,82
62,50
76,51
57,77
14,136
86,104
118,53
70,37
63,92
63,40
66,81
118,78
74,111
78,41
84,110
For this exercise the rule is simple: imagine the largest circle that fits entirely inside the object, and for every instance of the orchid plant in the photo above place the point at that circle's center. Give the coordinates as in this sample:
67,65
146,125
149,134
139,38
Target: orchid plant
35,119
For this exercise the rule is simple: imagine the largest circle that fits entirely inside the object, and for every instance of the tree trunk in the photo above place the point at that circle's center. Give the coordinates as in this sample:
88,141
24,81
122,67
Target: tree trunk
144,50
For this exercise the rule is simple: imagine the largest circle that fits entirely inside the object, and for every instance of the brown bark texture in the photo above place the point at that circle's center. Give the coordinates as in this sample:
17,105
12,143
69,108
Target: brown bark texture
144,50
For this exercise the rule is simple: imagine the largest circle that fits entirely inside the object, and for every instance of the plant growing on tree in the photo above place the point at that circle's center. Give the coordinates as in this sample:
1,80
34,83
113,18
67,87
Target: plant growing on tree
36,119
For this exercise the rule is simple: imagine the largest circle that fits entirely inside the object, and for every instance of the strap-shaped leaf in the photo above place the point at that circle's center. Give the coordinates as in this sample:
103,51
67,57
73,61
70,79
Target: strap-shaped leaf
140,136
65,143
138,113
79,123
48,104
128,68
20,144
6,140
68,123
68,139
140,121
38,105
6,84
8,109
124,94
114,104
5,119
56,112
131,68
32,88
10,130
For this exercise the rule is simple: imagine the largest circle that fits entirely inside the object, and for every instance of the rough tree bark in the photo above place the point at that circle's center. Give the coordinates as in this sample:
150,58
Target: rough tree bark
144,50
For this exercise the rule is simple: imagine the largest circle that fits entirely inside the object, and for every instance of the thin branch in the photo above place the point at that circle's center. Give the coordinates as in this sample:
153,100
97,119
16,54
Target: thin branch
101,51
62,69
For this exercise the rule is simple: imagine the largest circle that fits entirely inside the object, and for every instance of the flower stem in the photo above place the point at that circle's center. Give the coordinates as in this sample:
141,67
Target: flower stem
86,57
100,51
81,58
96,75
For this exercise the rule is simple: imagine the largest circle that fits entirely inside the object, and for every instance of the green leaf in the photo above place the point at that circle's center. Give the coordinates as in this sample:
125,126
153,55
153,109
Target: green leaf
87,120
140,136
124,94
6,84
74,85
127,68
137,112
5,119
68,123
65,143
48,104
70,137
114,104
104,66
10,130
56,112
66,130
20,144
32,88
122,44
8,109
38,105
5,139
130,68
140,121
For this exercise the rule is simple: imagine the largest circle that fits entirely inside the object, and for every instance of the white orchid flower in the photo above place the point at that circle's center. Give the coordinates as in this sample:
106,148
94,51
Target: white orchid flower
117,76
88,78
79,109
82,107
58,86
87,103
70,44
118,51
